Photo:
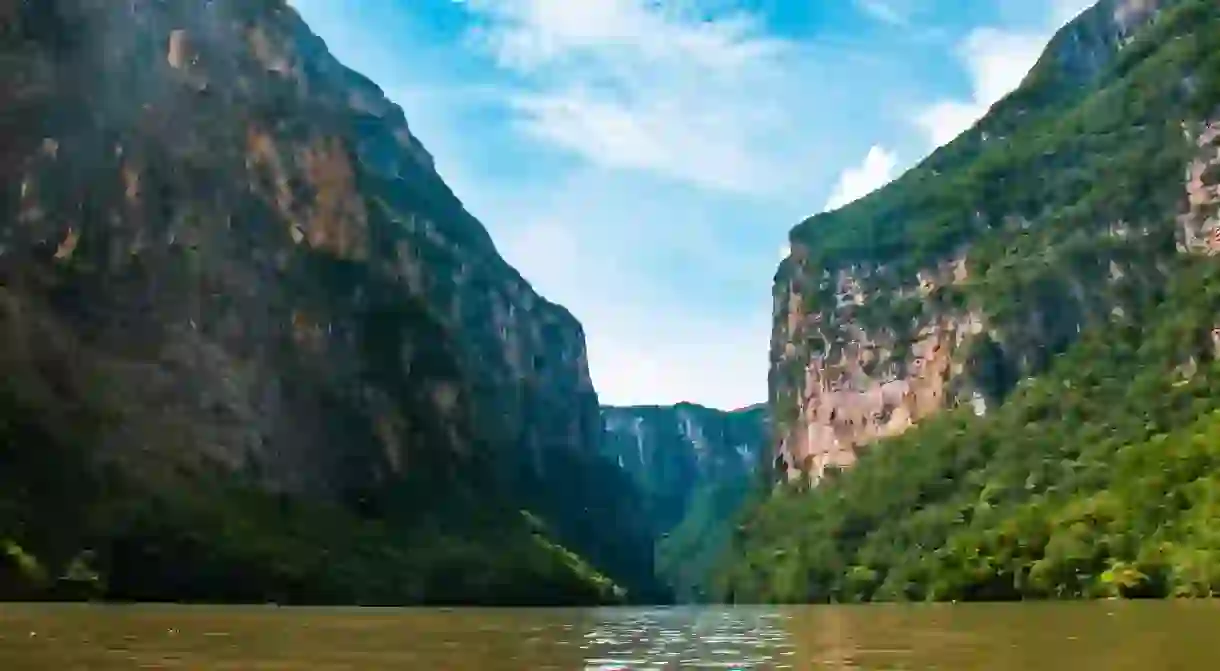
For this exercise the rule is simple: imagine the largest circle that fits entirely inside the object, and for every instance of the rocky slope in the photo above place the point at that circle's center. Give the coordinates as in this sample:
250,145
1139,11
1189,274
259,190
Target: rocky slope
1013,346
225,260
694,466
975,268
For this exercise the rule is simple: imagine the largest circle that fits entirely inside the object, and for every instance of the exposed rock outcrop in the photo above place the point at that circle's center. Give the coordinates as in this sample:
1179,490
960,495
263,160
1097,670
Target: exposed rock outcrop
857,380
1199,224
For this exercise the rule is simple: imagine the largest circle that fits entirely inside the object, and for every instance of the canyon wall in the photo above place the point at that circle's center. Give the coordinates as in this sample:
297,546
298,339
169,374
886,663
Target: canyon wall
928,294
1013,348
239,251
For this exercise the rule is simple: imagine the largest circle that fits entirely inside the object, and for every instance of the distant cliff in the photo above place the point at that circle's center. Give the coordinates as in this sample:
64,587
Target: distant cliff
240,307
695,466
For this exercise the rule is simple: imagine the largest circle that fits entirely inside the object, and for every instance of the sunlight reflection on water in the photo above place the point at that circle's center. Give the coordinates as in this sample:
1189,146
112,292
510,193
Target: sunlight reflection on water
693,638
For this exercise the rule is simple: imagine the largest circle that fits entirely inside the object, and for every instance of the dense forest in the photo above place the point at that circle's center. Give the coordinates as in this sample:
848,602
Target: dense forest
1100,478
1095,471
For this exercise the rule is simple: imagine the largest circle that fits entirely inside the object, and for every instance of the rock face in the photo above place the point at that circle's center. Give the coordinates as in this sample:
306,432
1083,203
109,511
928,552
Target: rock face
246,244
694,467
1199,224
862,382
671,451
922,296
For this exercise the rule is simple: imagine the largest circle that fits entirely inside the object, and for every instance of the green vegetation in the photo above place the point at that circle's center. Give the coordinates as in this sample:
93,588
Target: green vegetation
1068,155
691,479
609,528
76,525
1096,473
687,554
1100,478
196,541
408,487
1034,189
243,545
72,528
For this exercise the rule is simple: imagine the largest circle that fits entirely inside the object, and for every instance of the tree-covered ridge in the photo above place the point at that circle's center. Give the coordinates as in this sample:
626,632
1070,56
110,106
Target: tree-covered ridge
1056,181
687,554
1091,472
1047,146
1097,478
1048,217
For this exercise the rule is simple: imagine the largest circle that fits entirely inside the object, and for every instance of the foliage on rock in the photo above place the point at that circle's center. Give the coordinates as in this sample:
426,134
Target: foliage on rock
1092,472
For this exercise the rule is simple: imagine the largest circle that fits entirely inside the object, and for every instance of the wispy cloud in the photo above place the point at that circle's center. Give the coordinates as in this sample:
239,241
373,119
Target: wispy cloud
679,113
673,89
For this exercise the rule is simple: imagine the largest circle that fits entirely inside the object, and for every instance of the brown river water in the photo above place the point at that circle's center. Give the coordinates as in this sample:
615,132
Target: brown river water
1118,636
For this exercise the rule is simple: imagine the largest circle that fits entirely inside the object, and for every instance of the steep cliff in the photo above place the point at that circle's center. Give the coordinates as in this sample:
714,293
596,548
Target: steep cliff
1012,346
227,262
695,467
975,268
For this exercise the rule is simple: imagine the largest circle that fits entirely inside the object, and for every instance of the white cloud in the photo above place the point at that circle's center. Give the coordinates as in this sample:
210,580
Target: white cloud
673,89
996,60
859,181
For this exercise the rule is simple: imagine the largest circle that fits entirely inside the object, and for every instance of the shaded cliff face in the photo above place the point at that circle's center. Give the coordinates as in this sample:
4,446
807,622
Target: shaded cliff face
244,249
971,272
694,467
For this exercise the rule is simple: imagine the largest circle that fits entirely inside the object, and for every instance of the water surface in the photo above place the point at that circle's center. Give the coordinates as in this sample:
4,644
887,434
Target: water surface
1110,636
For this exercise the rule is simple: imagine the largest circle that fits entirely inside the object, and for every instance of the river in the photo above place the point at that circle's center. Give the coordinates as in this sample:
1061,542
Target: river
1110,636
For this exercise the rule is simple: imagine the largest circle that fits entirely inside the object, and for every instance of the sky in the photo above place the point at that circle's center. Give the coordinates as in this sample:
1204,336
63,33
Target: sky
642,161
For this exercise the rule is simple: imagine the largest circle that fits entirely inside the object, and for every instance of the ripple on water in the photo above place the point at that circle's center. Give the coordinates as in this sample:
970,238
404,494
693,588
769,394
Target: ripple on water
682,638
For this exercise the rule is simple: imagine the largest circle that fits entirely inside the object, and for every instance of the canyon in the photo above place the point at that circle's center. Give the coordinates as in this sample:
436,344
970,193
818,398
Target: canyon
254,349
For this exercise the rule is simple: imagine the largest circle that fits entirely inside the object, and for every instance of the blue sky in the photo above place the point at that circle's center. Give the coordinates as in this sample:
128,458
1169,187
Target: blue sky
641,161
